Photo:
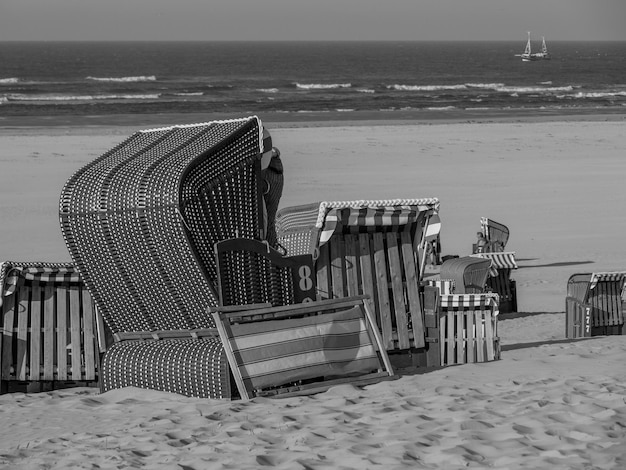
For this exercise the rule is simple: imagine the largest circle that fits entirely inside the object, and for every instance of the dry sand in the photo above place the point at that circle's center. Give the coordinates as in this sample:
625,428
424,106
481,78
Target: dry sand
548,403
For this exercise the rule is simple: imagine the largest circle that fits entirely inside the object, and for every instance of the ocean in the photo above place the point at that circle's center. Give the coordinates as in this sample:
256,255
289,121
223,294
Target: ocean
104,78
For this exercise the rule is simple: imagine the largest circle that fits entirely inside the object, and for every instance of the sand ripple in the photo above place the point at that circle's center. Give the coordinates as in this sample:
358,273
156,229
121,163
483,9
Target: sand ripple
560,405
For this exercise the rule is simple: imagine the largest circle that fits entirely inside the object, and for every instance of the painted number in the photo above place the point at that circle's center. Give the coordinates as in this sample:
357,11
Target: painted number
306,283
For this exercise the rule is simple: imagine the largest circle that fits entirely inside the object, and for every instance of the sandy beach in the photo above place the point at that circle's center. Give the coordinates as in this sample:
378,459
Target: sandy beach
557,183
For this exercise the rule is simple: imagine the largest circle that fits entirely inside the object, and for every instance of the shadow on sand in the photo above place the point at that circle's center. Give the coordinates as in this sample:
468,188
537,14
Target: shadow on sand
550,265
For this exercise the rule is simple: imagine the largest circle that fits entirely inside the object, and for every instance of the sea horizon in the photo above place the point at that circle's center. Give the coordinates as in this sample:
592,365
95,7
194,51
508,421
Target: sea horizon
82,78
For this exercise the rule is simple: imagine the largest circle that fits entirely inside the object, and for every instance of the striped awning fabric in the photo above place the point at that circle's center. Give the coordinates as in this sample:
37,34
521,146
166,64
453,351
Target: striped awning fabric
274,352
471,300
499,260
616,276
12,273
360,214
303,229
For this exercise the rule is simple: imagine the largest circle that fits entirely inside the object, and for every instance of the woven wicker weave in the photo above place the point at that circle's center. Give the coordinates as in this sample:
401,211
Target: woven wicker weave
140,223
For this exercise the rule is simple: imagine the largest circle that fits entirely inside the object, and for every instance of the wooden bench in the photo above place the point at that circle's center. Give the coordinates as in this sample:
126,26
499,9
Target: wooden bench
48,326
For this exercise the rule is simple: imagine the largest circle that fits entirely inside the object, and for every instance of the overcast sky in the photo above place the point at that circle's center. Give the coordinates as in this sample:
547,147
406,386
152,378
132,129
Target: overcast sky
222,20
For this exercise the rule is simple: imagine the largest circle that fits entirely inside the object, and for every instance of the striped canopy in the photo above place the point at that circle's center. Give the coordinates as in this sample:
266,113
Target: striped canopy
499,260
13,273
617,276
470,300
321,220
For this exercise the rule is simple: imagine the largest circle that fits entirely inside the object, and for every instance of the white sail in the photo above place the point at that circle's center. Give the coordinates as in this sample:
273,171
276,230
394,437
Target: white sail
528,50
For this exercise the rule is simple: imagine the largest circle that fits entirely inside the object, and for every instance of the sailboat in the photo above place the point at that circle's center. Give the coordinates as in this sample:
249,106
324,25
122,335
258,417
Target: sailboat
528,55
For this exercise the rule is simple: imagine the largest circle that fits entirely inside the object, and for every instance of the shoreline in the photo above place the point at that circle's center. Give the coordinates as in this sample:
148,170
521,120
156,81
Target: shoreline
12,124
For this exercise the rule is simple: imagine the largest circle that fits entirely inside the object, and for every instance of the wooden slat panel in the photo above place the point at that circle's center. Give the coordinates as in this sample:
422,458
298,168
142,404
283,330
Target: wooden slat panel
75,332
397,288
380,266
461,335
412,288
36,305
337,268
489,335
62,316
471,338
322,266
614,300
89,338
351,246
451,340
23,311
48,334
603,303
480,337
443,344
8,318
367,278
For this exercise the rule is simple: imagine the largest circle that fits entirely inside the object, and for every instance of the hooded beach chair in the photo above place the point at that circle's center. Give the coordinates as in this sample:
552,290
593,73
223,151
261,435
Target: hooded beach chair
499,279
49,328
141,222
372,248
279,340
595,304
497,234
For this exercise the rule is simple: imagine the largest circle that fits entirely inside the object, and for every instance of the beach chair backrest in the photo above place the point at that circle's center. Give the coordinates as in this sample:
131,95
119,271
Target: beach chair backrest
595,304
140,222
301,349
468,272
252,272
605,299
496,233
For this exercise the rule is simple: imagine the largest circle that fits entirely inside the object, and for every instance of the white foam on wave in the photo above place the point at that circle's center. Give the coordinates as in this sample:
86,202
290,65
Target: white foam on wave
441,108
498,87
142,78
9,81
322,86
59,98
612,94
268,90
426,87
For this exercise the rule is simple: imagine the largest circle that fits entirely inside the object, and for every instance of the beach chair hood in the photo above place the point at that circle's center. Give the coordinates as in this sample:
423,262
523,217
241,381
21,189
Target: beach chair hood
140,221
304,229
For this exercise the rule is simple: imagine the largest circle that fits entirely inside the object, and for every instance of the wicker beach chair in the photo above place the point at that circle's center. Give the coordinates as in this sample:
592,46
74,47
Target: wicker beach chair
279,340
373,248
497,234
140,223
49,327
595,304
